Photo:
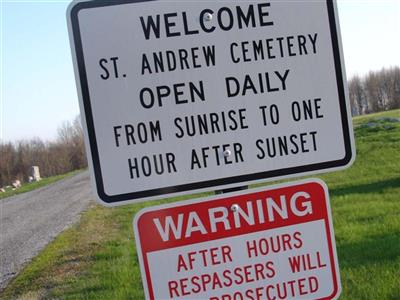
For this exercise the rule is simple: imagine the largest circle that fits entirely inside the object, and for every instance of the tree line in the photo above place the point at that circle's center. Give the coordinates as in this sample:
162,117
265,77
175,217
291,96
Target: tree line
65,154
377,91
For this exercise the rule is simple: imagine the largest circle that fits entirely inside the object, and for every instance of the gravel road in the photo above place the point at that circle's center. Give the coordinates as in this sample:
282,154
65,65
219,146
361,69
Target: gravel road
28,222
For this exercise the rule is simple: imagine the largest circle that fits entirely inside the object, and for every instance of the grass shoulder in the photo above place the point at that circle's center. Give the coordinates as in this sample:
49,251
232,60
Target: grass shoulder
27,187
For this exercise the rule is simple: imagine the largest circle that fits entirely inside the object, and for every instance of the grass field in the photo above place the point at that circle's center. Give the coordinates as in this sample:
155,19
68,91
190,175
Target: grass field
27,187
96,259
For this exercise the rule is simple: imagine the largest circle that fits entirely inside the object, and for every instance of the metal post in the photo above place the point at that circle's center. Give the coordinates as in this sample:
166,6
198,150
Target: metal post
239,188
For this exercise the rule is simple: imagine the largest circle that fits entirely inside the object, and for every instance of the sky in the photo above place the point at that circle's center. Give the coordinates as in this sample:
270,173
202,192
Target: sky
37,84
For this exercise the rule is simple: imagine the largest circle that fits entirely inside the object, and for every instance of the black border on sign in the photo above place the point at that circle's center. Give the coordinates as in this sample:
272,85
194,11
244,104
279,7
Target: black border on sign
112,199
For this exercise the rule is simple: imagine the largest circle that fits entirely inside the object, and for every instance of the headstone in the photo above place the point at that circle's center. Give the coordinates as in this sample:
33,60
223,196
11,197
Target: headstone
35,173
16,184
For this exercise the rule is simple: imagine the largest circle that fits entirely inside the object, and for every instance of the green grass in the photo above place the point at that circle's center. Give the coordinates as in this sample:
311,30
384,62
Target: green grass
395,113
27,187
96,259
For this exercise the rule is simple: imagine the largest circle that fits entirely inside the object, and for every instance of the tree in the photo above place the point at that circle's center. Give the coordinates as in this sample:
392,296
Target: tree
377,91
357,96
65,154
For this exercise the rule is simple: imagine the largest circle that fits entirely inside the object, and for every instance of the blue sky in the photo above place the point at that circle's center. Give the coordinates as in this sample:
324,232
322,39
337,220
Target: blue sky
38,88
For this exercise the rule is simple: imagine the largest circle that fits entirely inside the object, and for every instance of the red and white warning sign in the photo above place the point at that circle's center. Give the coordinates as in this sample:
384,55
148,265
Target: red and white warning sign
275,243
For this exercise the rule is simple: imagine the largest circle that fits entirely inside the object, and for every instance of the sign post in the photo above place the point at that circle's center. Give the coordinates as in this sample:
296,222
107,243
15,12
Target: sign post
185,96
275,243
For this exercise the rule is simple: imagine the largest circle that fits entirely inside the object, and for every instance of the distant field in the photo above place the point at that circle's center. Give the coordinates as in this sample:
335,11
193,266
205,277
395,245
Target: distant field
96,259
26,187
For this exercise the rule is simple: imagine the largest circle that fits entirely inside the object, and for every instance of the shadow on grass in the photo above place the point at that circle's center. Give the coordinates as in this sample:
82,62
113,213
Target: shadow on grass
375,250
82,292
375,187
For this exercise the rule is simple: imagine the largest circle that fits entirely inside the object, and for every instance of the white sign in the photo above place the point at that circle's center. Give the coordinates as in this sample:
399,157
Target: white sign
179,96
267,244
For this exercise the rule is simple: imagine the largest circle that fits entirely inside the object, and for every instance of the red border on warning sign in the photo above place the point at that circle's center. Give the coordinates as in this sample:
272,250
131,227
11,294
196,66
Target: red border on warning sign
148,238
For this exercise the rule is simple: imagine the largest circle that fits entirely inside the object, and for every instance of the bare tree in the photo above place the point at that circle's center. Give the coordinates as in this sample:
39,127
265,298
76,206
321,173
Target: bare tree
65,154
357,96
377,91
